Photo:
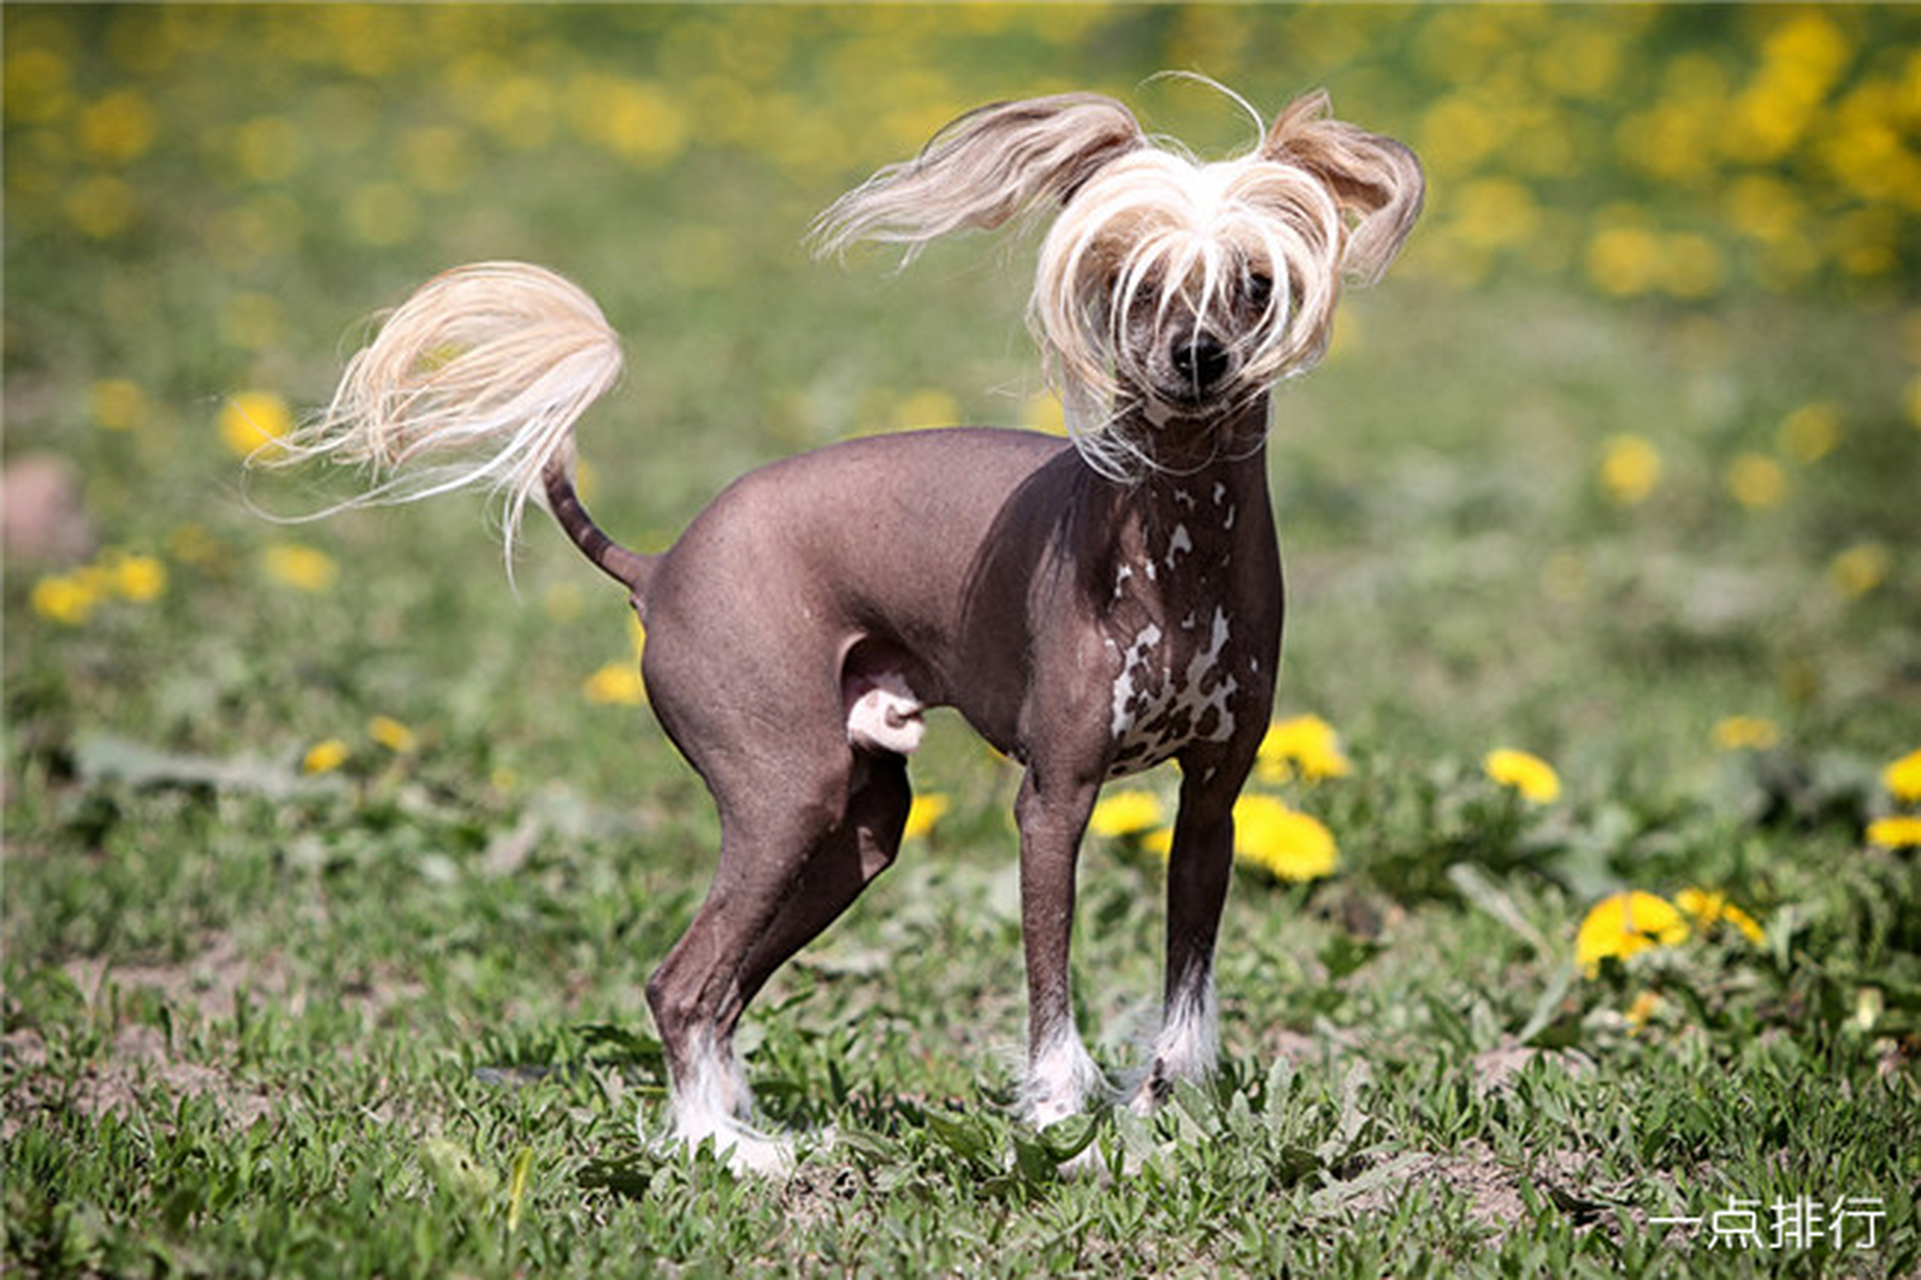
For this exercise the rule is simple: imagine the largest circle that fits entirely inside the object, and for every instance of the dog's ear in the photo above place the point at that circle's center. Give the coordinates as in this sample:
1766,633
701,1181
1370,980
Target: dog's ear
982,170
1376,179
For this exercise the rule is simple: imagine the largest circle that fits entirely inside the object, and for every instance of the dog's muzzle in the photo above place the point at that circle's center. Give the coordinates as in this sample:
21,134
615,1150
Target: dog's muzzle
1198,367
1201,363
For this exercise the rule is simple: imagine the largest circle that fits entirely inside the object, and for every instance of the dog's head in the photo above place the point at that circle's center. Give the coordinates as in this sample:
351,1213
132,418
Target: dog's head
1170,293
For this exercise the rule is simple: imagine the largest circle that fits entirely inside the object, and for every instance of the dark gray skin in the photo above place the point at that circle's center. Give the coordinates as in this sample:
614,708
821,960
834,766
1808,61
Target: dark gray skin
996,573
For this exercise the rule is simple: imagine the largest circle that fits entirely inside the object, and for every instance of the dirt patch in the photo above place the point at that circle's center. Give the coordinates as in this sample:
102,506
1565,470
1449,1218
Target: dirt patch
208,984
136,1076
137,1071
1490,1187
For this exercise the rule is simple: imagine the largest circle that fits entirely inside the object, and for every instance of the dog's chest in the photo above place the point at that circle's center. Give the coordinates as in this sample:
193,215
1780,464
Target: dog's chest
1171,645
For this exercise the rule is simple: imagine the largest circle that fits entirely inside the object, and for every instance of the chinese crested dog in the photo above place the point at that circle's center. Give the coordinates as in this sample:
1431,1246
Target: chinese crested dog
1092,606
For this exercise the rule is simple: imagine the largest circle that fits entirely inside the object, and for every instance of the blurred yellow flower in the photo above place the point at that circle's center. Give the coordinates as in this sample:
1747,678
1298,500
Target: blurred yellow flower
1625,925
1860,569
64,598
1709,909
616,684
36,81
118,404
928,408
70,598
392,734
1642,1011
1284,842
1530,775
1812,431
254,421
119,127
923,813
1630,468
634,119
1044,413
101,207
302,568
1624,261
1900,832
269,149
1126,813
383,214
1304,745
1903,778
1757,481
1746,733
325,757
139,578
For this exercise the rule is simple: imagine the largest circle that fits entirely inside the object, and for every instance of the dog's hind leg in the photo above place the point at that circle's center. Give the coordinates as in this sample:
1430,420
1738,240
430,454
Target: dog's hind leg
839,868
786,872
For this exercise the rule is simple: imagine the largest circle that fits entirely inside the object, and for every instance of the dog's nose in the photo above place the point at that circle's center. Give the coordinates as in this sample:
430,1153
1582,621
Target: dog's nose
1201,361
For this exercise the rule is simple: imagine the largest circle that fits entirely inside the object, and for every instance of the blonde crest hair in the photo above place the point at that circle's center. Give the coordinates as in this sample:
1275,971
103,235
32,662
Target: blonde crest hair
1145,230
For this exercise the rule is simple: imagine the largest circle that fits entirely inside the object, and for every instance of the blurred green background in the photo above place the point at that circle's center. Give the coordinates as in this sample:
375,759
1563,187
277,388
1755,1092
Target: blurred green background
1625,445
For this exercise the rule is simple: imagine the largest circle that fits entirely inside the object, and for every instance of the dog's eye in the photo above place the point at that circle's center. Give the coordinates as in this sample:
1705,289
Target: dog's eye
1259,288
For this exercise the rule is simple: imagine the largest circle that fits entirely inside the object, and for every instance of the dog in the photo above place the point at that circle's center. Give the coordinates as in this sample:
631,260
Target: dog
1092,606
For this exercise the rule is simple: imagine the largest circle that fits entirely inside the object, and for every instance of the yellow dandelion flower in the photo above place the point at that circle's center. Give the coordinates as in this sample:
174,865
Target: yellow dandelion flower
1757,481
1899,832
1642,1011
254,421
1304,745
1533,777
383,214
118,404
1044,413
1284,842
1746,733
325,757
392,734
139,578
1625,925
119,127
37,85
1903,777
1160,841
64,598
930,408
1630,469
1710,908
1860,569
1127,813
923,813
1812,431
616,684
101,207
1624,261
300,567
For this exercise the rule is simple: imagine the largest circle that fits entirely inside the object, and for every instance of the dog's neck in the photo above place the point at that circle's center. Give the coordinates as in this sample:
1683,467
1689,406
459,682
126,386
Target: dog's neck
1205,494
1182,446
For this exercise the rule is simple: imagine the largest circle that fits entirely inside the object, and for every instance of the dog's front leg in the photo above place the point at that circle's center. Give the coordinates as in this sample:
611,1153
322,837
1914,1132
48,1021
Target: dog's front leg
1199,867
1052,812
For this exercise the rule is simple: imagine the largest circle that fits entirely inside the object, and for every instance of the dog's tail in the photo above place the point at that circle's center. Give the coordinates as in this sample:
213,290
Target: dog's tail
478,378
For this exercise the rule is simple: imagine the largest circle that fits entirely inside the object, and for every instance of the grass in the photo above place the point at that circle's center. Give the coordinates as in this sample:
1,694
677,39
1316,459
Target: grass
383,1017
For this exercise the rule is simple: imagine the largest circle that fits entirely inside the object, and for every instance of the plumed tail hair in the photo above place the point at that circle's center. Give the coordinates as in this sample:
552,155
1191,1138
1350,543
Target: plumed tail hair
477,379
